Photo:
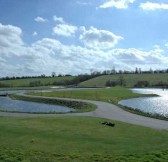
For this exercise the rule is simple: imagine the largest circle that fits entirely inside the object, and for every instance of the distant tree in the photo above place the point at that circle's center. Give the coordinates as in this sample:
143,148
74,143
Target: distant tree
68,75
113,71
151,71
42,76
60,75
121,81
140,71
120,71
136,70
108,83
53,74
104,72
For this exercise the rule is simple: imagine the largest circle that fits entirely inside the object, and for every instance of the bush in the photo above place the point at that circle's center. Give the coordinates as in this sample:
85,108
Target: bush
141,84
111,83
35,83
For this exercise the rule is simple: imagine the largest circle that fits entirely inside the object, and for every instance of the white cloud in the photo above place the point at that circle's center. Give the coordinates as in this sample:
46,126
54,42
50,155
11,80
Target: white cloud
35,33
40,19
64,30
47,55
99,39
10,40
58,19
119,4
153,6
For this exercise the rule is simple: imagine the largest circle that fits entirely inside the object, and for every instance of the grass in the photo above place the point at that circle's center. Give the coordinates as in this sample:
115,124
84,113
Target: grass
78,139
112,95
24,88
43,81
130,79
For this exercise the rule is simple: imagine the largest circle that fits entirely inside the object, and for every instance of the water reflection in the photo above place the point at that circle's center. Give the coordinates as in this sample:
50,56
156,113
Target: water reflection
153,105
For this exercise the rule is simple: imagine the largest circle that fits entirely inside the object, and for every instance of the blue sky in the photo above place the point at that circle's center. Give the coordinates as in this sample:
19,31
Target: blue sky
79,36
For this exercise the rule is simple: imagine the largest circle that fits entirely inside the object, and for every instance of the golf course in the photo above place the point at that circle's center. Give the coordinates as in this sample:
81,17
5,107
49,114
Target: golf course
83,81
81,136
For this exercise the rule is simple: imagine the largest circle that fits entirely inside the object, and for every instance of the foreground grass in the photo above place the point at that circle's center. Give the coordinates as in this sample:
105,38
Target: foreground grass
105,94
78,139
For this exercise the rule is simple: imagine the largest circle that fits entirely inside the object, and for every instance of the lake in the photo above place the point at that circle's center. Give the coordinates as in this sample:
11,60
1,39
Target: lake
7,104
152,105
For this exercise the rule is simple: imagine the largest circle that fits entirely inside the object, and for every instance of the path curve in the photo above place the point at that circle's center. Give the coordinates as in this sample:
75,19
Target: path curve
104,110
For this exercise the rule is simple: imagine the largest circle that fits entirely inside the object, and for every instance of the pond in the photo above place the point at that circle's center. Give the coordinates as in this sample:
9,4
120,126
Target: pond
7,104
152,105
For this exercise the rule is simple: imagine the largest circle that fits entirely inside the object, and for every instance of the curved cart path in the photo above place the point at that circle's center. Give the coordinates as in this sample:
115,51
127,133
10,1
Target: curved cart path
104,110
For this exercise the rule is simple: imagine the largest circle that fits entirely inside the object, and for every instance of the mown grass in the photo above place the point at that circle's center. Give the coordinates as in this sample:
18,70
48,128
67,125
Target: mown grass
78,139
112,95
130,79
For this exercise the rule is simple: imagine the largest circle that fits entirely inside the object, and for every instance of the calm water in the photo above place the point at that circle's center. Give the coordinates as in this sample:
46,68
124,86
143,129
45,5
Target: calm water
153,105
23,106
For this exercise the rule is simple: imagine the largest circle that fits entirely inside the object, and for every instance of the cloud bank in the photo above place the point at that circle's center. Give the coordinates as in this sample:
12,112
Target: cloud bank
47,55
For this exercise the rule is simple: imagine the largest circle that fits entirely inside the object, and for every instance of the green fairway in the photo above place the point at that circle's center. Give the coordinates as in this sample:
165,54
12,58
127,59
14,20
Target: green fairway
104,94
78,138
130,79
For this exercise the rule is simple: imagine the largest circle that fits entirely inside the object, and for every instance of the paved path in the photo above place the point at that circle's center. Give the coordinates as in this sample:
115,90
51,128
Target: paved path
104,110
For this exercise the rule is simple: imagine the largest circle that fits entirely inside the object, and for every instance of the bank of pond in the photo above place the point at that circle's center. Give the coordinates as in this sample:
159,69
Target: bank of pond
156,106
28,104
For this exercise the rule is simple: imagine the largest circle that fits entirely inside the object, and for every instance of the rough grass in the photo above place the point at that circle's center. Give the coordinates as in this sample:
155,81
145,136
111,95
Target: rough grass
78,139
130,79
44,81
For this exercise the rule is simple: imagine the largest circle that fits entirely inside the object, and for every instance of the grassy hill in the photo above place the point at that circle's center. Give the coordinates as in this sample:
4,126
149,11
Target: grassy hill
43,81
130,79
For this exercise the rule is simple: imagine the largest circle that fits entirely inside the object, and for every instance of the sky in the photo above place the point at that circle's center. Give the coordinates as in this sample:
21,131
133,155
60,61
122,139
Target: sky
81,36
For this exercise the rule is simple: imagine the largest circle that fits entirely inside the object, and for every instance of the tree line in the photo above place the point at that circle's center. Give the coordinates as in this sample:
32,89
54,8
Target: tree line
92,74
